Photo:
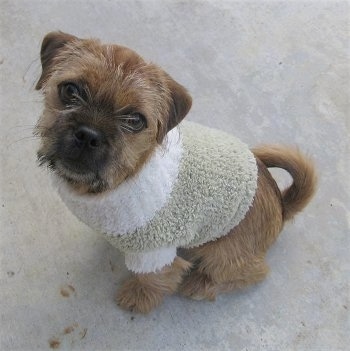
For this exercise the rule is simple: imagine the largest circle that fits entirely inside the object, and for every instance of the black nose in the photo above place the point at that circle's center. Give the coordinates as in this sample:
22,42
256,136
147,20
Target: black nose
87,137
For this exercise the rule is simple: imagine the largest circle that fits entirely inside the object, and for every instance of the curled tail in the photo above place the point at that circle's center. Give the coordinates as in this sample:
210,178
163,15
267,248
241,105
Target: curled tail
301,168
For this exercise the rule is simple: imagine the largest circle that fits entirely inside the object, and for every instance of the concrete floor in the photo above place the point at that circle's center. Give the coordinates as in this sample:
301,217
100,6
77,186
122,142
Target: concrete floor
265,71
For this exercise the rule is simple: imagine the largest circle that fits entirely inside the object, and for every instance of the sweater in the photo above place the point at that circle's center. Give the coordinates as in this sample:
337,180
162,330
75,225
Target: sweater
196,187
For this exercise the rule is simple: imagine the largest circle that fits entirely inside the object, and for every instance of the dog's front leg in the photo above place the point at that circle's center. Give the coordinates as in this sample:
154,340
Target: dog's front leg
145,291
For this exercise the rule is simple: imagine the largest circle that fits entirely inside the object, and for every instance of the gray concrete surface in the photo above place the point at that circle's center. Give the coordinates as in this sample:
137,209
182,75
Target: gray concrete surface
266,71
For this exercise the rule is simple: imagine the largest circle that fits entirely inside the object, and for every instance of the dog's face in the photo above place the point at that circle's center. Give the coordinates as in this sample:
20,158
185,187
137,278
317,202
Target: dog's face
106,110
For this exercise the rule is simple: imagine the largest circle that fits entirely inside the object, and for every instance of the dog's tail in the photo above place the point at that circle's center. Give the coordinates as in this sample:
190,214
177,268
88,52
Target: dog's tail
302,170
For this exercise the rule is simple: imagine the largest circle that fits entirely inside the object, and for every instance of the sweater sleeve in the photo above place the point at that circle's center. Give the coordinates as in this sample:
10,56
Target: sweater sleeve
150,261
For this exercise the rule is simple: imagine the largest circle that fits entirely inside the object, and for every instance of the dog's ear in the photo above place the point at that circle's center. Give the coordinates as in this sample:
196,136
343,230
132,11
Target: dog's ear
50,47
180,104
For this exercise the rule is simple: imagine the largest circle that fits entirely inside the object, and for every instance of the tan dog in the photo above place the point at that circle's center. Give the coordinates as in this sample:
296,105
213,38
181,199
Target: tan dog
106,111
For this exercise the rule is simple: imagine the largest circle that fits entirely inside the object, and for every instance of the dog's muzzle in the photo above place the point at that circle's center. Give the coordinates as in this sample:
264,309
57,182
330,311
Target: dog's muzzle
82,149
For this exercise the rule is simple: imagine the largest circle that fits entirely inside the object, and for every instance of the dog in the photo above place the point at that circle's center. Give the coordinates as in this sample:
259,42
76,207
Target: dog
126,164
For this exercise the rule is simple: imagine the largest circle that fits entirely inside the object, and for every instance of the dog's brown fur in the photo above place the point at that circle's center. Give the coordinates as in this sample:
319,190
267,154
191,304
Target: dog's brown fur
116,78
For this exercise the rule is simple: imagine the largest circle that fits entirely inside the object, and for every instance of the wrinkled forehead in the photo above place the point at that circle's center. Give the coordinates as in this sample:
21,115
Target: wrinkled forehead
110,73
98,64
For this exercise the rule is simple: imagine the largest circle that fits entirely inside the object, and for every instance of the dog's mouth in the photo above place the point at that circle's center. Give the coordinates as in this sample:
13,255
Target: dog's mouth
74,173
76,152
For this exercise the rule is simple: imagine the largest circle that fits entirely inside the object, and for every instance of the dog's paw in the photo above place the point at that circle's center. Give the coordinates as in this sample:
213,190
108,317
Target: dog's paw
137,297
198,286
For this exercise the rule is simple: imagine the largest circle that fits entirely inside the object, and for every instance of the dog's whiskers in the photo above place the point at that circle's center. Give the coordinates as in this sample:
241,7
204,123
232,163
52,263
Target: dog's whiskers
122,109
26,138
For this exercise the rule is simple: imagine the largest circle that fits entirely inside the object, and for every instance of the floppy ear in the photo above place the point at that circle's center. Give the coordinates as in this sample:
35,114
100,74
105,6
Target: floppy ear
180,104
50,47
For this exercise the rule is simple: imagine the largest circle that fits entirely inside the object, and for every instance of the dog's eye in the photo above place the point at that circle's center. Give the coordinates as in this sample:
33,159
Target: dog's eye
69,93
134,122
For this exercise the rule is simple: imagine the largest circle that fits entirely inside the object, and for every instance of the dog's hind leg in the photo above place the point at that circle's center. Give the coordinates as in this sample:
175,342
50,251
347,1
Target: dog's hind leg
237,259
208,279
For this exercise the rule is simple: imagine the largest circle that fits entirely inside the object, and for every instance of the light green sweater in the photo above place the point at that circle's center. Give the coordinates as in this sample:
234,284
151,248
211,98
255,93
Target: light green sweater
194,189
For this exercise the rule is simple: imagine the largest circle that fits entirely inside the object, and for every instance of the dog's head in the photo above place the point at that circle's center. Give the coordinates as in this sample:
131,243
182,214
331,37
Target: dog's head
106,110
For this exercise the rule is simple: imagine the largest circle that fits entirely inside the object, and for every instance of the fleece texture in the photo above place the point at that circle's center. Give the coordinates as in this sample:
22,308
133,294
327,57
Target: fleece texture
195,188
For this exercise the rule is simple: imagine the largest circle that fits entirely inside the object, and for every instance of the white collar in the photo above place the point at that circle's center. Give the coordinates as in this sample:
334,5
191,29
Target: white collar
135,201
